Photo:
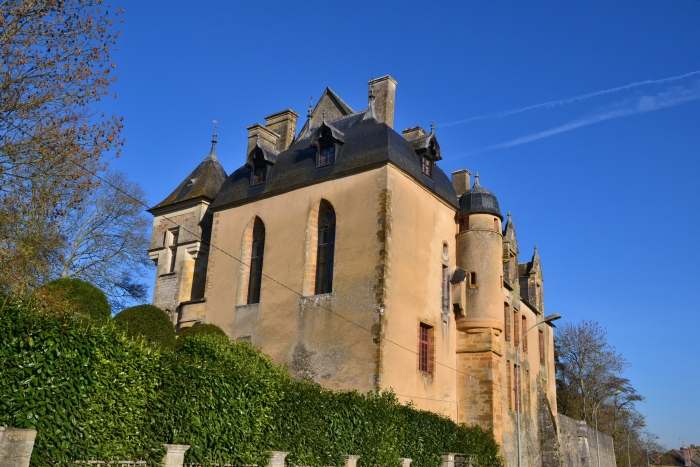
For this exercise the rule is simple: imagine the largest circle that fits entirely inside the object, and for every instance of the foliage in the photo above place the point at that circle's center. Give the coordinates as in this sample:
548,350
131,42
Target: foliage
589,371
83,298
199,329
150,322
55,68
94,392
85,388
107,240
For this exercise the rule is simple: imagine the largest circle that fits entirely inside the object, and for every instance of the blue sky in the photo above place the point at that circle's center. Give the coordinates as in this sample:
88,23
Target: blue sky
604,183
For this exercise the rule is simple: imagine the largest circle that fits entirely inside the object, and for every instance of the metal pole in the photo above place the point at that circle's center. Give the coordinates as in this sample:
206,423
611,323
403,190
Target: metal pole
517,372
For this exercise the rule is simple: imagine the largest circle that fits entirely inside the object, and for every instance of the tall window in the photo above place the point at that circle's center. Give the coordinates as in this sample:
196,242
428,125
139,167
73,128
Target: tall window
172,244
327,155
256,262
541,335
445,289
516,337
259,174
425,349
427,166
326,248
472,279
524,328
506,320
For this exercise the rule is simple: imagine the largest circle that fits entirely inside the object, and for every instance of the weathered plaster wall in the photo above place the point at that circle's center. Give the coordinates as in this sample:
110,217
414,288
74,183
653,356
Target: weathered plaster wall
419,224
298,331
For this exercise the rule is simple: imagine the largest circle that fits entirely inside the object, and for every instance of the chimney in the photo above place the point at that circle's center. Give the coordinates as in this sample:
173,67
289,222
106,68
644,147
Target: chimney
461,180
283,123
268,138
413,133
384,96
686,456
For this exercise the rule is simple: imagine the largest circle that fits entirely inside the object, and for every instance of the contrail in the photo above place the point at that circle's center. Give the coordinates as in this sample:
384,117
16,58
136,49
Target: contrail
570,100
671,97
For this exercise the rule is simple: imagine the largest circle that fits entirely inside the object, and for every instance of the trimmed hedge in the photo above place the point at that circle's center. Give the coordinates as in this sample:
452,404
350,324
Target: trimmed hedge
199,329
87,389
92,392
150,322
83,297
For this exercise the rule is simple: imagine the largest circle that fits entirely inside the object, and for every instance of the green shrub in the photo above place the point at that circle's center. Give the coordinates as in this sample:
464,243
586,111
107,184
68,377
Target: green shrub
150,322
83,297
86,388
199,329
92,392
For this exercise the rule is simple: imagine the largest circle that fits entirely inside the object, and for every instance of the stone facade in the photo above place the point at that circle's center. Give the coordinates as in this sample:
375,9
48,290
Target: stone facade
429,297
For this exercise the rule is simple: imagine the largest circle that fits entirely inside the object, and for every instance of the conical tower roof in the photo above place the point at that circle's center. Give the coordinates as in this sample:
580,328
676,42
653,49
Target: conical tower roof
479,200
204,182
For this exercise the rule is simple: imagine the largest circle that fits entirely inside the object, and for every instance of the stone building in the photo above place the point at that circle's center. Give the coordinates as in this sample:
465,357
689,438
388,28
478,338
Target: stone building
346,252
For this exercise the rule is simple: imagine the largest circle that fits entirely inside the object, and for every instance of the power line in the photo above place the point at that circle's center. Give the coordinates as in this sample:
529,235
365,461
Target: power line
308,299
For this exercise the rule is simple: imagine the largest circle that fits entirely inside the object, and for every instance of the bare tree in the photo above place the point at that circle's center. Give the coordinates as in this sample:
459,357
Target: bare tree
107,240
55,67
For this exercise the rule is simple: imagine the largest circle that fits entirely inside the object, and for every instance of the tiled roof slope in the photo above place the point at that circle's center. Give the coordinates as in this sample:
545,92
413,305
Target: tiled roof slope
368,143
204,182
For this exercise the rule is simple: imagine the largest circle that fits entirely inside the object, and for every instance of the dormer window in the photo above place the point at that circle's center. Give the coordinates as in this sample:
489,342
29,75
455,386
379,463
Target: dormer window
427,166
327,140
327,156
259,174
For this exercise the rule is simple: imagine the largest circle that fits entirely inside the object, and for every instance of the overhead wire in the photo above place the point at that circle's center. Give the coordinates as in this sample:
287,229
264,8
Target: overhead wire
303,297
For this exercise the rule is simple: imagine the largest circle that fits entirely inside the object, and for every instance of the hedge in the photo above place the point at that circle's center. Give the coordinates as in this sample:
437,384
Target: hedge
83,297
93,392
86,388
199,329
150,322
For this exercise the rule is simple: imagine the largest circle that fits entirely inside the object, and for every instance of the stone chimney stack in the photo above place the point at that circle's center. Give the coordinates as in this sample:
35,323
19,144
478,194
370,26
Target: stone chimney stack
384,96
267,137
686,456
461,180
283,123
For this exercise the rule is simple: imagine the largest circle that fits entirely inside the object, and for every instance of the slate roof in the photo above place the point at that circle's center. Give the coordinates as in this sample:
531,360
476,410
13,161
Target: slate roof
367,143
479,200
204,182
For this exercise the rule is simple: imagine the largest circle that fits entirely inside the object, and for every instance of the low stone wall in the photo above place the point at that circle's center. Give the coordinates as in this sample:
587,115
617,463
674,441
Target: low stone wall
577,445
16,446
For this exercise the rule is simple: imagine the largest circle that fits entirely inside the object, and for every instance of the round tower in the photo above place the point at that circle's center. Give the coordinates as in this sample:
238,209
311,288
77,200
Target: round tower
479,254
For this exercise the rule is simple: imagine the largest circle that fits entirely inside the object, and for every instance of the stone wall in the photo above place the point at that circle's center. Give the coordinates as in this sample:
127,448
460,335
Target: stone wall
577,445
16,446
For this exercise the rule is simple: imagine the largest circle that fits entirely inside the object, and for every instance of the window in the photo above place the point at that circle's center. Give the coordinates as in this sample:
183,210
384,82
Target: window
259,174
506,320
464,224
524,329
426,363
445,289
510,385
172,243
515,328
327,155
496,225
326,248
472,279
541,335
256,262
427,166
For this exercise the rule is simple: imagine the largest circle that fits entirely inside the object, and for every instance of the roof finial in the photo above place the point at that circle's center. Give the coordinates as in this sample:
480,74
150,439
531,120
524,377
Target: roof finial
476,180
535,249
508,215
308,114
432,127
212,153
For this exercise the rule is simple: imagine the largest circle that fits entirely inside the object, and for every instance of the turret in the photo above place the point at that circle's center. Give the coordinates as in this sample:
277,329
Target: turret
479,296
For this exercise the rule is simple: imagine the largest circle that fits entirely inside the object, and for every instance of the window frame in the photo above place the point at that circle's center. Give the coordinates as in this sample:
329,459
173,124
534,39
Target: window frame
324,270
426,349
256,262
254,174
324,148
172,236
429,163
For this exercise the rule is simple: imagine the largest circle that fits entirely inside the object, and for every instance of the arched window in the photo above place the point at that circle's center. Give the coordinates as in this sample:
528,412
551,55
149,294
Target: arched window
256,262
326,248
